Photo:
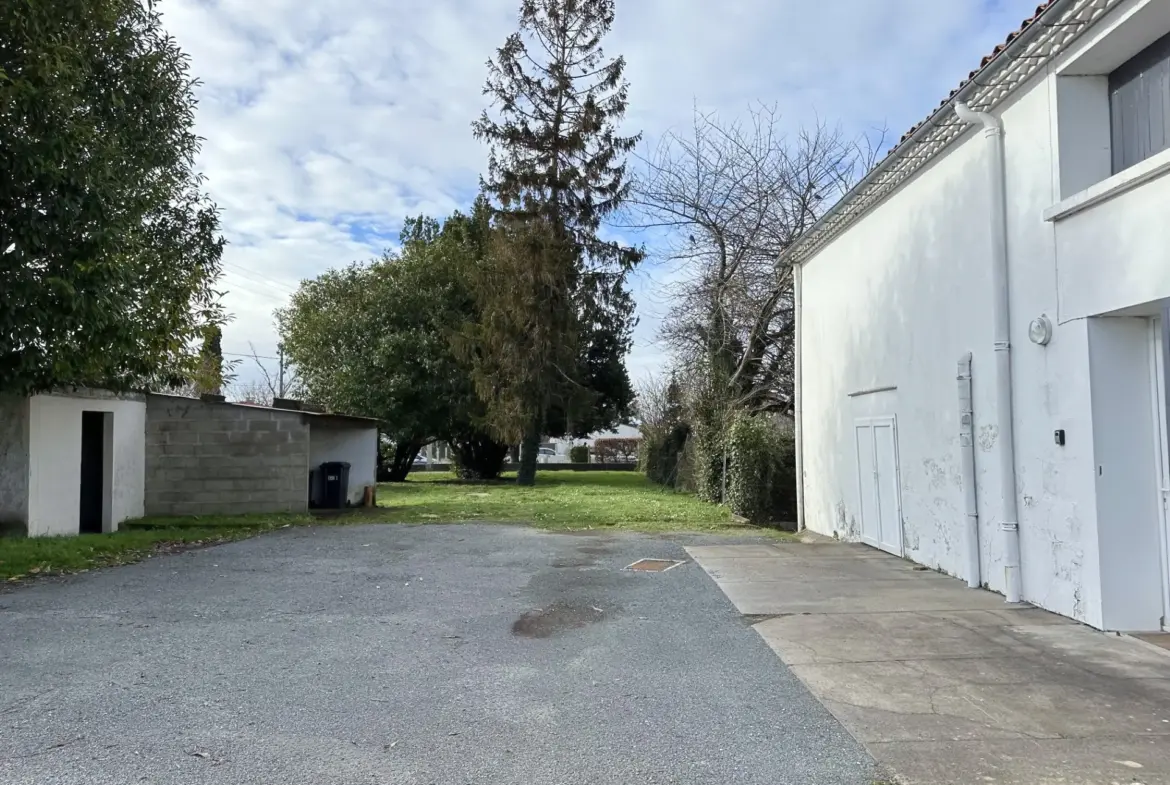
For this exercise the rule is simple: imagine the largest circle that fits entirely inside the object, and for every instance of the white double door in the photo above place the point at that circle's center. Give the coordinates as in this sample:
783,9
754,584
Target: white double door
878,484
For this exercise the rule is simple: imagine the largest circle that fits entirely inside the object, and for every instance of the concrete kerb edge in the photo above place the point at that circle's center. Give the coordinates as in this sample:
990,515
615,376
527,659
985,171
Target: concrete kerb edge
1146,644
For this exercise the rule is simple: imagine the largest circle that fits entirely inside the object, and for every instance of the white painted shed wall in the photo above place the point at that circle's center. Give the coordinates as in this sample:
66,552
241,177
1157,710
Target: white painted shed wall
55,461
354,444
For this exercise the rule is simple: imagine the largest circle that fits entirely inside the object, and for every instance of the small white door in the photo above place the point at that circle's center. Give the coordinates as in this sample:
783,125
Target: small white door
1160,419
867,485
878,483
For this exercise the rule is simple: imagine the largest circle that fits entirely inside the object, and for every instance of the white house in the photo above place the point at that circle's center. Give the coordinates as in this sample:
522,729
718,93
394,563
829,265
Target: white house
1011,256
71,462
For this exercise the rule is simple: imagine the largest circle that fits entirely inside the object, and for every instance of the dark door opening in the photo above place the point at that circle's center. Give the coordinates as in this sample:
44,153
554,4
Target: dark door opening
93,465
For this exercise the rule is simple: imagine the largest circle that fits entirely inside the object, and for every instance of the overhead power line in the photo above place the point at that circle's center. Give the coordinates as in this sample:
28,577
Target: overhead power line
254,276
250,356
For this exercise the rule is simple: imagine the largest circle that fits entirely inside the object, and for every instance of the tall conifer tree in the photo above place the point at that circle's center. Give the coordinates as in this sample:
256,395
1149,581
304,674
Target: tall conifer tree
556,169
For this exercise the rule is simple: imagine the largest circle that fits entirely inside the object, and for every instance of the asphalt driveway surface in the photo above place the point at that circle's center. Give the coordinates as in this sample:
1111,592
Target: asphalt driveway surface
453,655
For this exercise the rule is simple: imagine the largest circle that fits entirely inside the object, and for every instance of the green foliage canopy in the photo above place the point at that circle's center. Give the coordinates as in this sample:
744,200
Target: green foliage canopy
109,249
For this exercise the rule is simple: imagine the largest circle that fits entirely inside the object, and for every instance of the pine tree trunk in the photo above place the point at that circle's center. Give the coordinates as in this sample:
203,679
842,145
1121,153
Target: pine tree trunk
529,449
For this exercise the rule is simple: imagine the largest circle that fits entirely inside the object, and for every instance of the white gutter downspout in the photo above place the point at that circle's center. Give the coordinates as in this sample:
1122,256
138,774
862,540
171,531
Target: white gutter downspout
1009,525
967,461
796,400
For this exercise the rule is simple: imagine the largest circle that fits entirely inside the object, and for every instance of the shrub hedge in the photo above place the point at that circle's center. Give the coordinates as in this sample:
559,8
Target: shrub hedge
760,456
661,454
761,480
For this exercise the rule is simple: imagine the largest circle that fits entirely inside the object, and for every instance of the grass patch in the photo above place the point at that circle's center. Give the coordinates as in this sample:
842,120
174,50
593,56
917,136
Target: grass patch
220,522
36,557
560,500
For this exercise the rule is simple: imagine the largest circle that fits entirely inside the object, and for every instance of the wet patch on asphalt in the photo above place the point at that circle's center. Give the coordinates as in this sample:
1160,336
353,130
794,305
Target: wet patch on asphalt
596,550
573,562
558,617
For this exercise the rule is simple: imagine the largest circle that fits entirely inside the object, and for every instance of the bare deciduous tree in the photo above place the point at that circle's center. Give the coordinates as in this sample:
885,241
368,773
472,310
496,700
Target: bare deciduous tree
285,383
252,391
727,199
659,401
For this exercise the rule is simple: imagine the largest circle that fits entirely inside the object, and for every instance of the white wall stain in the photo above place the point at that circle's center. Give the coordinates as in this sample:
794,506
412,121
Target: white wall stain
936,475
988,436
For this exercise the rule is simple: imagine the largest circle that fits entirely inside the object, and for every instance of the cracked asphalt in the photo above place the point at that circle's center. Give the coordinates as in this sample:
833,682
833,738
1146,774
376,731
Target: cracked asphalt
404,655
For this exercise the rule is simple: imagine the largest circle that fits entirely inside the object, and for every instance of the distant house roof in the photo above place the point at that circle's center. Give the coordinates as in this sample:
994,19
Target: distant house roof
1054,26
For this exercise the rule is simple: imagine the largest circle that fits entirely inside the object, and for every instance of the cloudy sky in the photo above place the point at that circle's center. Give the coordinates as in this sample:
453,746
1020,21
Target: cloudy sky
328,123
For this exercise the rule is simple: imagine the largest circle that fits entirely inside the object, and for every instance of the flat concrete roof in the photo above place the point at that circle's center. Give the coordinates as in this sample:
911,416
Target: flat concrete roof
351,419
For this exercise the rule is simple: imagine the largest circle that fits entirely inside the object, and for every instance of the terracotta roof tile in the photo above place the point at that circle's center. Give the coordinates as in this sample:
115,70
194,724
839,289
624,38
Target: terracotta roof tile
987,60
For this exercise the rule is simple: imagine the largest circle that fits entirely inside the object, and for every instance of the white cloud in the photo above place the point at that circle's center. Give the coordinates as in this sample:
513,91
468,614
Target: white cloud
327,124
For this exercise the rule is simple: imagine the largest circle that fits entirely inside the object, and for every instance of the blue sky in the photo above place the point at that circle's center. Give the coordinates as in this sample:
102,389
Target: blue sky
328,124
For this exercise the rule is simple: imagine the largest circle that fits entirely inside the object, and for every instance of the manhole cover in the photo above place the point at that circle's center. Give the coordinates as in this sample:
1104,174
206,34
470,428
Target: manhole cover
653,565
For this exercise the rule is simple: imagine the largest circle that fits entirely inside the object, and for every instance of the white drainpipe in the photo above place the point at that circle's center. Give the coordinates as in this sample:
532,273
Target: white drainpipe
1009,525
967,460
796,403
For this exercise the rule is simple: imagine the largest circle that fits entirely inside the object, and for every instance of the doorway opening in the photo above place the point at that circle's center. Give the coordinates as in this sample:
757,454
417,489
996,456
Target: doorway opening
96,472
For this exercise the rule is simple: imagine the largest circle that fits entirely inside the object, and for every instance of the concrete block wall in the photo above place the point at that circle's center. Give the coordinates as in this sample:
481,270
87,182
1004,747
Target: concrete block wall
222,459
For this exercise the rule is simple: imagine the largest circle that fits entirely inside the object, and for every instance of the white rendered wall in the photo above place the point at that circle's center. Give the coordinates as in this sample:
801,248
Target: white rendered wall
1116,254
355,445
894,302
903,292
1050,384
55,461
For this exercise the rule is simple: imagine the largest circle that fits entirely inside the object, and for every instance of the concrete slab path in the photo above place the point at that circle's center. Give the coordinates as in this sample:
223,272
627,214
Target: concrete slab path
945,685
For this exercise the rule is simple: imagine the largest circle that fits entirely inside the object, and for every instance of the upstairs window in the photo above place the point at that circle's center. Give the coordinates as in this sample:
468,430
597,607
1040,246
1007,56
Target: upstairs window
1139,104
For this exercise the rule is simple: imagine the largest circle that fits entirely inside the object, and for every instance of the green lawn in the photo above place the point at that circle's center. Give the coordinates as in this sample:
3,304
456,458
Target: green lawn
24,558
560,501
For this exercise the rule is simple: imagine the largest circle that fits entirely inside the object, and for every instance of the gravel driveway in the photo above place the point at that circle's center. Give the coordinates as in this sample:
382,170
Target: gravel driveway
401,655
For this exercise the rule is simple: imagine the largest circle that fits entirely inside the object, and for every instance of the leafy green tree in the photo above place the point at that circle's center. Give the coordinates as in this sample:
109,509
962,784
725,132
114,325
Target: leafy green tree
359,337
466,239
555,170
477,456
109,249
211,369
604,396
374,339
